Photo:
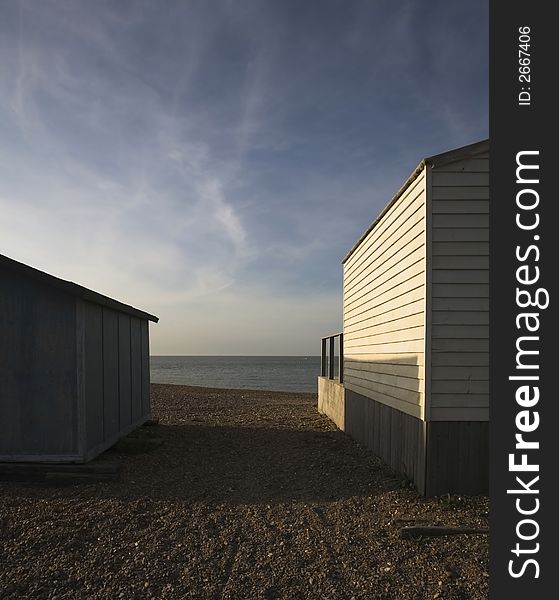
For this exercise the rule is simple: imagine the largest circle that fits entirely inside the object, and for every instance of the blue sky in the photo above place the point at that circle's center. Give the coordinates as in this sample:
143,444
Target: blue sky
212,161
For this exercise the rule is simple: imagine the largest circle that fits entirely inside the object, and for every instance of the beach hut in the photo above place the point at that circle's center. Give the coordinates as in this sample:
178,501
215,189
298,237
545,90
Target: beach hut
74,368
413,382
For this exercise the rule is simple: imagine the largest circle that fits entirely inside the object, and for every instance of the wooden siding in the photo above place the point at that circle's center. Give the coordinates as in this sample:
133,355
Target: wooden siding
398,438
459,201
457,458
74,373
93,374
115,375
38,384
384,304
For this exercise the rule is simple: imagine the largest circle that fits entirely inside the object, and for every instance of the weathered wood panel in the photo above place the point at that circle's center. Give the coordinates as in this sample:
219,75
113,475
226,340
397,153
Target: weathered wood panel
404,322
111,413
38,382
402,274
461,249
472,207
395,348
460,179
373,318
124,369
377,359
388,224
413,370
395,436
93,375
368,390
385,272
135,368
457,458
374,299
460,317
460,262
460,413
456,235
415,296
460,291
460,193
478,164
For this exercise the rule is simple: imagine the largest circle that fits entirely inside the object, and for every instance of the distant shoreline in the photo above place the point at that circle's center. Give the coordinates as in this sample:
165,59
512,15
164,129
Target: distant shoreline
209,389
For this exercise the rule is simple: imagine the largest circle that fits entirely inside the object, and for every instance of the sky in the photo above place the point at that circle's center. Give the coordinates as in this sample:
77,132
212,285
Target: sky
212,161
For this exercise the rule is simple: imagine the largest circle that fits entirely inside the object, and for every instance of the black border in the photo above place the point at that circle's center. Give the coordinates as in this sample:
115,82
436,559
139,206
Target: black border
514,128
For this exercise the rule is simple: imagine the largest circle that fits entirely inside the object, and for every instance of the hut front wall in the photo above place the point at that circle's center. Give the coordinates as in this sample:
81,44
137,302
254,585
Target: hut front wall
384,307
115,375
460,291
38,381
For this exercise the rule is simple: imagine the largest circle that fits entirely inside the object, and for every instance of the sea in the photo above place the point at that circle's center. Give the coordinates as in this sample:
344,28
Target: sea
277,373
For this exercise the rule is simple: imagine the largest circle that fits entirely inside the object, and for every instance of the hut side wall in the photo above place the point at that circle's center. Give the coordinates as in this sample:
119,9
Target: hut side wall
116,376
459,199
38,382
384,307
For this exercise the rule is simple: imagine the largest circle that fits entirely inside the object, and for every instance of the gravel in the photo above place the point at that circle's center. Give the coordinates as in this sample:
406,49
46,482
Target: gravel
251,494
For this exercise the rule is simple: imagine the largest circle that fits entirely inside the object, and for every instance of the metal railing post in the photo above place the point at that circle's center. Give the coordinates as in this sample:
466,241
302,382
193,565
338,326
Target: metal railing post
323,358
341,359
331,359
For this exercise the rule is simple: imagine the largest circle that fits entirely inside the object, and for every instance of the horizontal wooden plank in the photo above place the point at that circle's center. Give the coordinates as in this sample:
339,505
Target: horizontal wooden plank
472,165
460,317
460,221
411,333
464,332
460,276
409,408
402,358
458,387
460,262
461,345
460,290
460,207
460,193
461,235
376,276
383,248
357,332
460,400
396,314
460,304
463,373
397,369
406,346
396,382
412,296
459,414
378,270
464,179
374,298
409,206
392,280
460,359
461,249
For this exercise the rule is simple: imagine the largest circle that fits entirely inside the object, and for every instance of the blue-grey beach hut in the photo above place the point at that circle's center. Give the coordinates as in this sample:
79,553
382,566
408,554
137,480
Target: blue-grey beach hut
74,368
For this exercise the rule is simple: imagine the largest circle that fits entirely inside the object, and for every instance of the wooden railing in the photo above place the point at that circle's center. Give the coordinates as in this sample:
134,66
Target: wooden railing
327,356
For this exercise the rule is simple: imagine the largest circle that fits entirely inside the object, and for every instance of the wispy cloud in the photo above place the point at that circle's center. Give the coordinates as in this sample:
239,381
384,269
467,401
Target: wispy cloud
214,161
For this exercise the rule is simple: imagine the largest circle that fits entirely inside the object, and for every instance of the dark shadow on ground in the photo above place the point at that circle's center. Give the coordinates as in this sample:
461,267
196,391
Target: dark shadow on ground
244,465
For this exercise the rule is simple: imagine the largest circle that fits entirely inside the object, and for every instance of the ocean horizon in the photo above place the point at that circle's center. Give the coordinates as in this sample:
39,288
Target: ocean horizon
275,373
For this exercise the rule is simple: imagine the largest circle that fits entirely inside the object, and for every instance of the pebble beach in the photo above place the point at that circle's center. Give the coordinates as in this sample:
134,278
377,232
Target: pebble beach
246,494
